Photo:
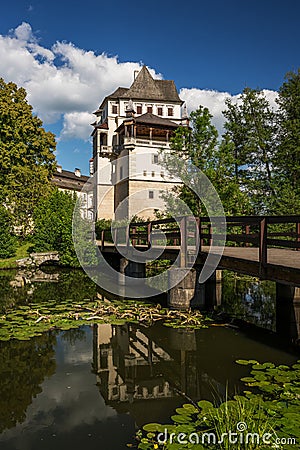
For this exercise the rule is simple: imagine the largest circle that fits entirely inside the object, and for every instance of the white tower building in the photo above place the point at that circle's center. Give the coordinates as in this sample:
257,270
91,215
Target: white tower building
135,123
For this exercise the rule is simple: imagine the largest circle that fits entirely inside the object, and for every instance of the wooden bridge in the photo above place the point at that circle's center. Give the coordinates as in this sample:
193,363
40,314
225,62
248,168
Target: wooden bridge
261,246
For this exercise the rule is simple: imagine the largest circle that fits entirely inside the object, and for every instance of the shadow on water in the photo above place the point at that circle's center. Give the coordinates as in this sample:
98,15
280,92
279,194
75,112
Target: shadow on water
262,304
95,385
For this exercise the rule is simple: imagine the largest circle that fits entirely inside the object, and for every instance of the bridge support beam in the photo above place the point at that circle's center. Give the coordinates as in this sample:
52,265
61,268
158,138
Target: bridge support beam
288,311
188,293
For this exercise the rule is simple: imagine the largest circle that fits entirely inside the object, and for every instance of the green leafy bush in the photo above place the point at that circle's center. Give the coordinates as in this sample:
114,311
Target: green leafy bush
103,224
53,226
8,242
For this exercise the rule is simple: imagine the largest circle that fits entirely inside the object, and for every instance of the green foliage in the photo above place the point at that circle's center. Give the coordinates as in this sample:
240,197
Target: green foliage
53,226
251,129
248,298
288,156
266,147
26,186
288,153
199,145
280,393
7,240
103,224
23,368
26,156
157,266
21,252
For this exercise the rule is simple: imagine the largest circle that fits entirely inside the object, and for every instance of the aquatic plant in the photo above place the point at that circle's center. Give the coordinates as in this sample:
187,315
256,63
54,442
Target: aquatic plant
267,416
30,320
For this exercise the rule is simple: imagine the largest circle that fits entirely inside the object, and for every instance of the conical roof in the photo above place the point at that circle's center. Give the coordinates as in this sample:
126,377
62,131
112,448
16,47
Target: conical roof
145,87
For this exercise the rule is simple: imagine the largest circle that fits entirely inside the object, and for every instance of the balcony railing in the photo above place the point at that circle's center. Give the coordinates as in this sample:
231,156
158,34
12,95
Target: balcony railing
147,142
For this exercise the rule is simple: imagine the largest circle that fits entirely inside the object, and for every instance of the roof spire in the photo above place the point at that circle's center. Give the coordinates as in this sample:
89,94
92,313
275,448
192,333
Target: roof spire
185,120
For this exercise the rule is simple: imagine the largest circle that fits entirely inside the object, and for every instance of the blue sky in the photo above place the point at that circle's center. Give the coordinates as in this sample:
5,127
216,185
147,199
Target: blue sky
68,55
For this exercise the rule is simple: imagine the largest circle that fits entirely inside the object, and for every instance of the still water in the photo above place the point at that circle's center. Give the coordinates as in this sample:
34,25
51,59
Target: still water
96,385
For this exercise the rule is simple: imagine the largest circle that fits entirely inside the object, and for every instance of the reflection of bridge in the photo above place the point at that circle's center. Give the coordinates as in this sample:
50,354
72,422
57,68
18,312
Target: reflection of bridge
24,277
261,246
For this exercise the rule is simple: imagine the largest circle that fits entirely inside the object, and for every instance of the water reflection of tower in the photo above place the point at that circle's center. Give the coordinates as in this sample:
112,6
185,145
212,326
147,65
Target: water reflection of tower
128,364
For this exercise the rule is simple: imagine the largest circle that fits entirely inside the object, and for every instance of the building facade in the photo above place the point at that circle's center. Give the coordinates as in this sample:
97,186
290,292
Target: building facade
75,182
132,127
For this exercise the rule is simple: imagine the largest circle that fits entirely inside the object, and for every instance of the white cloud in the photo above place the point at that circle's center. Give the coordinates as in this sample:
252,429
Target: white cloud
215,102
75,124
68,82
62,80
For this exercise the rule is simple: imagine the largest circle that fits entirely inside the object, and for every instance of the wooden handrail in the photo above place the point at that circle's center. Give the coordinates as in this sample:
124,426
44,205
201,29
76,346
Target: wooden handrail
255,231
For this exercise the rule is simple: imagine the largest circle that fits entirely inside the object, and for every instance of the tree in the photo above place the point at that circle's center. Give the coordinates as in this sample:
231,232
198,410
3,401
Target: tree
7,240
288,154
26,154
198,145
251,128
53,226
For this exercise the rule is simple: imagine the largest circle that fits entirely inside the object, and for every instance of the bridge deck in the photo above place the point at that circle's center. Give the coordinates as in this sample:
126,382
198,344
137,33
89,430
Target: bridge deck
282,264
275,256
262,246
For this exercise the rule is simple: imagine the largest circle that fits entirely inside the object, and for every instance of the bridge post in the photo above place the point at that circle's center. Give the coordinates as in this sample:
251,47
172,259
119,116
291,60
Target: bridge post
288,311
183,290
187,293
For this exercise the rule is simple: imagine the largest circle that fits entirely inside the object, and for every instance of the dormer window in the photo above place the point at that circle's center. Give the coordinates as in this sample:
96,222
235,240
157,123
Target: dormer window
149,109
139,109
170,111
114,109
159,111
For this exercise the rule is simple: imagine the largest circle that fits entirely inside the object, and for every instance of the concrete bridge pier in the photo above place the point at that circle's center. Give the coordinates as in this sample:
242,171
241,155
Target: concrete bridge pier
288,311
131,269
188,292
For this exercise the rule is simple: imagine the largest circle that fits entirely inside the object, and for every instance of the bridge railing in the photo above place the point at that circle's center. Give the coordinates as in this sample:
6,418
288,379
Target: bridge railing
261,232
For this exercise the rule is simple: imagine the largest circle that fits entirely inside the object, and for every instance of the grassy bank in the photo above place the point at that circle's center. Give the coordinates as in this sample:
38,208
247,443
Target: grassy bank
21,252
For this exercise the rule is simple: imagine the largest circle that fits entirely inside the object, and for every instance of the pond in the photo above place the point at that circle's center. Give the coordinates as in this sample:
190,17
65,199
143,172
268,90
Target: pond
95,385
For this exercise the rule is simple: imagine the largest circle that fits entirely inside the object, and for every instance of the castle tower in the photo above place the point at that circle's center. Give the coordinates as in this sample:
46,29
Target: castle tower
136,123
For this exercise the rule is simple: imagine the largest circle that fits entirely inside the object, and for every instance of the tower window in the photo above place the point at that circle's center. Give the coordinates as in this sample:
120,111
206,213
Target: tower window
170,111
139,109
151,194
159,111
121,173
155,159
149,109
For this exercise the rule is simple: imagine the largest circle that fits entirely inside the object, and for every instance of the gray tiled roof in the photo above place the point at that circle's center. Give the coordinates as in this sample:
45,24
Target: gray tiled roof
68,180
145,87
119,92
149,118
